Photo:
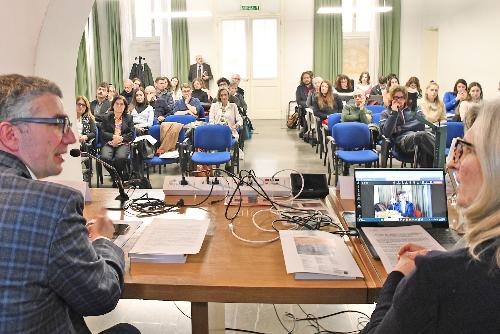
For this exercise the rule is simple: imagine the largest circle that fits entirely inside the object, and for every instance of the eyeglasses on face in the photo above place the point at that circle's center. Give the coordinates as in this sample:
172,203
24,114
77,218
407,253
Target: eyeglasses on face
357,96
398,97
458,150
81,104
60,121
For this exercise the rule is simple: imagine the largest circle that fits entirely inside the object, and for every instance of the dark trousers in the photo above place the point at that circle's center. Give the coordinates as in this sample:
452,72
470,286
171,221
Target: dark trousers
121,328
425,142
120,155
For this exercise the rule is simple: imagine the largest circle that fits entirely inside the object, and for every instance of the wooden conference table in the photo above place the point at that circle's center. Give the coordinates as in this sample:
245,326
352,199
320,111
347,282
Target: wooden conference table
230,271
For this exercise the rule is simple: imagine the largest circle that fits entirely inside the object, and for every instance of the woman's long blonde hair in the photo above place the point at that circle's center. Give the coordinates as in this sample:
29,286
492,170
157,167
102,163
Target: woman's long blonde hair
483,215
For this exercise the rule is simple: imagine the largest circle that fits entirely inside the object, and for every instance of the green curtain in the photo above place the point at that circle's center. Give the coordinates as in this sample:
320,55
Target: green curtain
327,49
97,45
82,80
180,42
115,44
390,26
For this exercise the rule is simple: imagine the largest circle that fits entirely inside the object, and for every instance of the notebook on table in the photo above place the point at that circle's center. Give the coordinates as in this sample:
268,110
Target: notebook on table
403,197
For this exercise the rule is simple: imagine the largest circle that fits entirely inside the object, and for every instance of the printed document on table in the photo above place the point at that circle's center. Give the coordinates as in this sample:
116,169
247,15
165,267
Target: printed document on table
171,237
388,240
317,255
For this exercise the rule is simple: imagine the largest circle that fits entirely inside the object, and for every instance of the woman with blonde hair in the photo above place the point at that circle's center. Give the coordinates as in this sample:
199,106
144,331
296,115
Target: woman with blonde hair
456,291
85,122
432,107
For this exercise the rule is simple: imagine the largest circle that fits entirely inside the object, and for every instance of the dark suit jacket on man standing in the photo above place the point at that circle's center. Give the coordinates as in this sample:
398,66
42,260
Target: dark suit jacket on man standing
51,275
193,73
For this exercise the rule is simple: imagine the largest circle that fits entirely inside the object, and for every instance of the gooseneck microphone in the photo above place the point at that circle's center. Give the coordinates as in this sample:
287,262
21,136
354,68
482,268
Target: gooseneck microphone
122,197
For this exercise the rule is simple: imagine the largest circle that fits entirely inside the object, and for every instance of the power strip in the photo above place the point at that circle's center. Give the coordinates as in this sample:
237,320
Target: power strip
199,186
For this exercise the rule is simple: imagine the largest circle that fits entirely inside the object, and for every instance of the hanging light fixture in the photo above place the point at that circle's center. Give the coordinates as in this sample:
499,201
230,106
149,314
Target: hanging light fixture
341,9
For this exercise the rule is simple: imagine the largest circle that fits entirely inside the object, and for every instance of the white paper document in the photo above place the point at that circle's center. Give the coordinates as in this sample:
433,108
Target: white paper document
149,138
317,255
388,240
169,155
169,237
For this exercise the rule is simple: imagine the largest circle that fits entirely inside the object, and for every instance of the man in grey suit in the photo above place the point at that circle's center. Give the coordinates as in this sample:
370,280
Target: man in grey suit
200,70
55,268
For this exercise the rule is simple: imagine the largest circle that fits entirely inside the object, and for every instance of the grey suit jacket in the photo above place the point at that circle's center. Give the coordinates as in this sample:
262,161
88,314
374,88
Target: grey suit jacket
50,274
193,75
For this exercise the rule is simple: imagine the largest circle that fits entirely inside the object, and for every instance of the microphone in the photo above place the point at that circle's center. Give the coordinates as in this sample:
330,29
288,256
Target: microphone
122,197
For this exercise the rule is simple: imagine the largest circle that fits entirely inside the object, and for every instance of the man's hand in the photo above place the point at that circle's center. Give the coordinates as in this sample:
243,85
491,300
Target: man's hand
101,226
83,138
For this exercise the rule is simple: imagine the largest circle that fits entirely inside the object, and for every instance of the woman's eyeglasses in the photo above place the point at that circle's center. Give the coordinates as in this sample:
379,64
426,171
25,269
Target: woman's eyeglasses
458,150
81,104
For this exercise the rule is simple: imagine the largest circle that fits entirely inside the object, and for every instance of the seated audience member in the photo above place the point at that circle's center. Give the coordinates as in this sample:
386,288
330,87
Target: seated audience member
116,135
137,83
314,93
343,84
223,83
175,88
142,113
128,90
380,88
99,107
55,268
303,89
188,105
451,100
150,92
326,101
237,98
405,131
471,116
85,123
198,91
474,96
163,102
401,204
364,83
225,112
236,78
414,92
358,111
431,106
392,81
455,291
112,93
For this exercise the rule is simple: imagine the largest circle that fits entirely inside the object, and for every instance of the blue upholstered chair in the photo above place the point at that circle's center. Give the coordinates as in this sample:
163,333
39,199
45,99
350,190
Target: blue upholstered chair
453,130
375,109
216,143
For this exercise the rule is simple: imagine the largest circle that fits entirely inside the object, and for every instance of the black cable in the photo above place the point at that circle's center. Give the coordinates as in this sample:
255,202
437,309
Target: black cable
242,330
187,316
282,325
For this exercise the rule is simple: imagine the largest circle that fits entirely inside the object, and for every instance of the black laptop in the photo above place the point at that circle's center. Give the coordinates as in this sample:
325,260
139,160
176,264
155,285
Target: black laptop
400,197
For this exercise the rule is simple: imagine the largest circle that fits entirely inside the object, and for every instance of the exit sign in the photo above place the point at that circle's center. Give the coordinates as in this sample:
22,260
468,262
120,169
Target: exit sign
250,7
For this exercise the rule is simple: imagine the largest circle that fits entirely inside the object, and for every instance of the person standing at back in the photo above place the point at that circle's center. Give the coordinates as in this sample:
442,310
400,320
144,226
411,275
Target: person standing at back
55,268
201,70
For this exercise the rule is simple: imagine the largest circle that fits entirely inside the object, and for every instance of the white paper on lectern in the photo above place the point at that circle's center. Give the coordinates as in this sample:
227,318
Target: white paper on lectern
317,252
171,237
149,138
388,240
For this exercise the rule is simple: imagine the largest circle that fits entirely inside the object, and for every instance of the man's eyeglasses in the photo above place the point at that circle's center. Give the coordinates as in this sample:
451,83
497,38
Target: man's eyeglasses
458,150
64,121
357,96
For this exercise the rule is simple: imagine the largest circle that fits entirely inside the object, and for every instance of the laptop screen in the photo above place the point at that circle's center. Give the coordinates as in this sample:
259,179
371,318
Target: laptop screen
398,197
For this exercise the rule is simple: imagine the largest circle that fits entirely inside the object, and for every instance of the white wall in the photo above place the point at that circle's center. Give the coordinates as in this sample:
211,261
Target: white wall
468,34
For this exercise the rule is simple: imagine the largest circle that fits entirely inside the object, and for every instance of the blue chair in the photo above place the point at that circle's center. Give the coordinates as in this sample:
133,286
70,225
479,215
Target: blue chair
352,140
375,109
453,130
154,131
327,134
216,143
376,118
183,119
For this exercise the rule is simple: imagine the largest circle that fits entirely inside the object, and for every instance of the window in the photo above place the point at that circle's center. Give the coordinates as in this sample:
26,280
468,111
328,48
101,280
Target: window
357,16
265,48
146,22
234,38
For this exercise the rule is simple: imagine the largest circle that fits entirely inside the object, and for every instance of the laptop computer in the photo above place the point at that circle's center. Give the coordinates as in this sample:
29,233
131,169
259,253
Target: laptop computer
388,197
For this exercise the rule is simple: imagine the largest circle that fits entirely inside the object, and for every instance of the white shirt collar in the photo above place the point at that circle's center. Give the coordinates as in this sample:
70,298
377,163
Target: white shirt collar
33,176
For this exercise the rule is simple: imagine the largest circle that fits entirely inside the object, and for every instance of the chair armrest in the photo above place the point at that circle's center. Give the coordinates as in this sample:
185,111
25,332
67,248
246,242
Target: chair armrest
385,147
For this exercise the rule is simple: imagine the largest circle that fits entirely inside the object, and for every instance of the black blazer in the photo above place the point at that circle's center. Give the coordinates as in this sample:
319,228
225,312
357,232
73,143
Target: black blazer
193,75
108,128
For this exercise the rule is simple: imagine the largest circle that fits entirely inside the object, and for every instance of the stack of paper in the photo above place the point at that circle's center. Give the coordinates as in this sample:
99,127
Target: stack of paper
169,241
317,255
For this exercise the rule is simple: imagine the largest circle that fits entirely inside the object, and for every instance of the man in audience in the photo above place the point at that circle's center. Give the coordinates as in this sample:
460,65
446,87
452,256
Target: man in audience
99,107
380,88
137,83
200,70
188,105
399,124
238,99
237,78
164,102
128,90
358,111
150,92
55,268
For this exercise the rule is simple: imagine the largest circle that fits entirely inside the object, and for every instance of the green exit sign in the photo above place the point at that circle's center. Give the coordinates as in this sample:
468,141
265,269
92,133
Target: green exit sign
250,7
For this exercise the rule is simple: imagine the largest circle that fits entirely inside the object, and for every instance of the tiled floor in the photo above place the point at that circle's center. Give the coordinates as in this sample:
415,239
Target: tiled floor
272,148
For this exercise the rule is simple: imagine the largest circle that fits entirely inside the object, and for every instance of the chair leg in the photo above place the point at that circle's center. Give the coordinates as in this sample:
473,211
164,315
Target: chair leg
336,159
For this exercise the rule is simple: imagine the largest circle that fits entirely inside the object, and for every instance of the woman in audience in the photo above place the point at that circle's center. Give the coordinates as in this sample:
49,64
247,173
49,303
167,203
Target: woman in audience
414,92
474,96
116,135
343,84
392,81
431,106
451,100
112,92
326,101
85,123
456,291
198,91
175,88
142,112
224,112
150,92
364,83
